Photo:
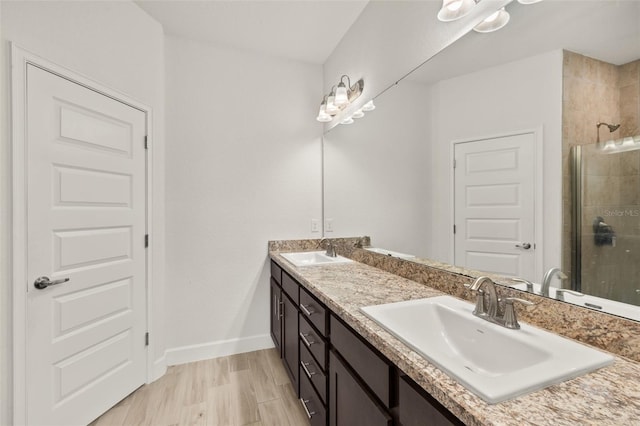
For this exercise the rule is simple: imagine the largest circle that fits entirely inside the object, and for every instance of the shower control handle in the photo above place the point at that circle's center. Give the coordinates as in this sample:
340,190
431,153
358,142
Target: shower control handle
525,246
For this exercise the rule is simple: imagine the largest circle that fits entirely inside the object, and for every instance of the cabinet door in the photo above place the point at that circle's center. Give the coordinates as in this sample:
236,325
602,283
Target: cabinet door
290,340
276,315
349,403
416,407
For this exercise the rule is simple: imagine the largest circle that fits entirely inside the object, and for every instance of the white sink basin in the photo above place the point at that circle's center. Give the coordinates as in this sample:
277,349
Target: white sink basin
308,258
493,362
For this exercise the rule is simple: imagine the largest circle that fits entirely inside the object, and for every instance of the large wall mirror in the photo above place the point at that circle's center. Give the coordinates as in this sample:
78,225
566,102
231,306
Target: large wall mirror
506,108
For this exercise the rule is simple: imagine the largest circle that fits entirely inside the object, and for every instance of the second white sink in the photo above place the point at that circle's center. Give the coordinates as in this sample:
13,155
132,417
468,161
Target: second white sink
493,362
308,258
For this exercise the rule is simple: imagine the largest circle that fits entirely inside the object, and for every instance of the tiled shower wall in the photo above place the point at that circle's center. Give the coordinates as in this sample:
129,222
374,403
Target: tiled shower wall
597,91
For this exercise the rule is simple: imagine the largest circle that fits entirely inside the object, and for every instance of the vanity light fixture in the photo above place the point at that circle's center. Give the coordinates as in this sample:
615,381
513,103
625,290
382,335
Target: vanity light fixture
358,114
494,22
619,145
340,97
455,9
347,120
529,1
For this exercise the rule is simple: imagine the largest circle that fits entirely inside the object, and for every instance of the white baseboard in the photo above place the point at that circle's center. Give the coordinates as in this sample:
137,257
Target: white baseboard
184,354
159,368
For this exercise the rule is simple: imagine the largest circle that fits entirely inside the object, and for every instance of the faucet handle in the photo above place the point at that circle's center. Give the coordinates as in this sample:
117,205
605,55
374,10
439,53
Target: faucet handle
510,317
561,291
527,282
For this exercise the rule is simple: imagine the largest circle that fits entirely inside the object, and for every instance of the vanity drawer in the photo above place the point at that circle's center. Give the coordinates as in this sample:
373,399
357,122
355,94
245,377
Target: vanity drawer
276,272
312,403
291,287
310,339
314,311
309,367
371,367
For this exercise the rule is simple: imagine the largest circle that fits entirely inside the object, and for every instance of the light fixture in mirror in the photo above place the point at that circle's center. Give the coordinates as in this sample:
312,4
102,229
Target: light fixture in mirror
323,117
494,22
455,9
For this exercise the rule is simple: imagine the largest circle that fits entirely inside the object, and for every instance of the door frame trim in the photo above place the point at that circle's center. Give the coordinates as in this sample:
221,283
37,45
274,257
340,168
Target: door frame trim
538,185
20,58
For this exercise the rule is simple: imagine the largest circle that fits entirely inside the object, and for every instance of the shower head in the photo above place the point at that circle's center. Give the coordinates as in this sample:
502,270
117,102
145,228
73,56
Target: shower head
612,127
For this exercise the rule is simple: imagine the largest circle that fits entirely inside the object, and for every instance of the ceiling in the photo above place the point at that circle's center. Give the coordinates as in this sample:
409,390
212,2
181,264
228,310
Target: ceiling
303,30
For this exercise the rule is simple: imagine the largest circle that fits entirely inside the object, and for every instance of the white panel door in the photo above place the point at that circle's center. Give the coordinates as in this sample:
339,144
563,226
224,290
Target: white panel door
86,223
494,205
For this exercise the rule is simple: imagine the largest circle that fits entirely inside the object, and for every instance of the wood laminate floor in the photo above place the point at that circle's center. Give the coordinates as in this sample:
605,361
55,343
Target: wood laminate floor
245,389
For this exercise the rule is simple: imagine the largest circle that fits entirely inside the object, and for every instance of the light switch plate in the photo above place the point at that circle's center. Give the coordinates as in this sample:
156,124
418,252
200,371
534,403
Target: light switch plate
328,225
315,225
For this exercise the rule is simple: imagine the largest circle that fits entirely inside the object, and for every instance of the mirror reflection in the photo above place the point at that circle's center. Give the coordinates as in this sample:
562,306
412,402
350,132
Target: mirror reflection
507,107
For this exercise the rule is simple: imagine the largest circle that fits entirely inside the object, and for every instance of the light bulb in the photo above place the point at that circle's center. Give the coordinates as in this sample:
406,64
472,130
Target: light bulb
347,120
358,114
369,106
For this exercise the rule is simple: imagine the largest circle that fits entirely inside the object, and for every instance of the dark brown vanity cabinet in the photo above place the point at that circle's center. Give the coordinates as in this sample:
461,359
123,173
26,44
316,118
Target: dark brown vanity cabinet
284,320
341,379
360,381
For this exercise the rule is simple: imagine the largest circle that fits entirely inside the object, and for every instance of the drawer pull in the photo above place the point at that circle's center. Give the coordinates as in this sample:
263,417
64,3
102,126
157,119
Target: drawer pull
280,306
306,370
306,409
306,310
304,339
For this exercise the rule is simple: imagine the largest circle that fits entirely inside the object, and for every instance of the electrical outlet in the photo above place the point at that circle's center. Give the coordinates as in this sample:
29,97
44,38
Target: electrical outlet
328,225
315,225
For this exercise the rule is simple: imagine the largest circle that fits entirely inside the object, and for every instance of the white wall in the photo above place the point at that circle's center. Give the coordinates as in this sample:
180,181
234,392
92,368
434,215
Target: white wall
115,44
522,95
390,38
377,179
243,167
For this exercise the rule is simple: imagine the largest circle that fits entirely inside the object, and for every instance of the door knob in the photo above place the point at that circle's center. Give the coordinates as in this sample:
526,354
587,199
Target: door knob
525,246
43,282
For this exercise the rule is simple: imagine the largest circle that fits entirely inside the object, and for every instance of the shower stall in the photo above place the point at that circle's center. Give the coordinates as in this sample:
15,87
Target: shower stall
605,256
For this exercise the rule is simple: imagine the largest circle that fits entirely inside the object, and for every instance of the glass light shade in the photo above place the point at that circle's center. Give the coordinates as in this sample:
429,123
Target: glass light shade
341,95
331,106
455,9
358,114
528,1
494,22
347,120
369,106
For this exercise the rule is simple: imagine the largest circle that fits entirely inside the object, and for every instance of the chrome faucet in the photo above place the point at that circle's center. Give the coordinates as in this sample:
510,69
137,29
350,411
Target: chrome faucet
331,250
546,281
493,312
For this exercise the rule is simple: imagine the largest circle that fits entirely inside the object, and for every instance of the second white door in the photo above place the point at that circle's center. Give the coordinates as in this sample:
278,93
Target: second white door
494,205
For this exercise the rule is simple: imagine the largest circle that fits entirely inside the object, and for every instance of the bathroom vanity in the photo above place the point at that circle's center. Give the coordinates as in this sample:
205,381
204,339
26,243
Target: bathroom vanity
347,370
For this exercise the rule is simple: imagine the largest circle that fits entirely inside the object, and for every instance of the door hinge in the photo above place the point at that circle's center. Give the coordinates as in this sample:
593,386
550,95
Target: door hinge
146,240
146,338
146,142
454,229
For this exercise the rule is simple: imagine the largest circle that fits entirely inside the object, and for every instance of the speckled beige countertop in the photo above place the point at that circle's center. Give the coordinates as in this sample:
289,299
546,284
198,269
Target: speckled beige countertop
609,396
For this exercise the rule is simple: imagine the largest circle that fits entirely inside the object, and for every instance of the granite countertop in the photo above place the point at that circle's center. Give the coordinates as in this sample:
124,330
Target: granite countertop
609,396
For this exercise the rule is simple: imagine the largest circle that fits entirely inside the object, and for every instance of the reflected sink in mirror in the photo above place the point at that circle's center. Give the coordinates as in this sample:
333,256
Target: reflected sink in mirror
620,309
491,361
310,258
390,253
